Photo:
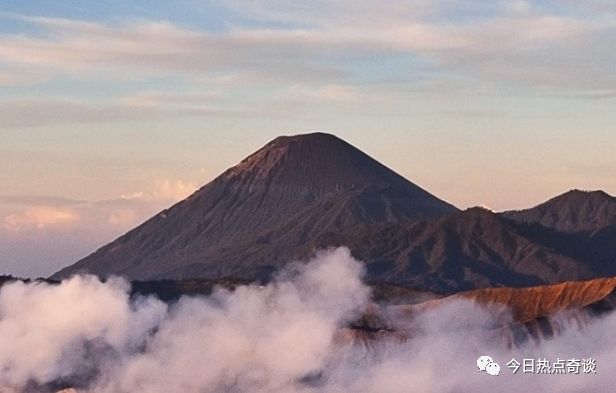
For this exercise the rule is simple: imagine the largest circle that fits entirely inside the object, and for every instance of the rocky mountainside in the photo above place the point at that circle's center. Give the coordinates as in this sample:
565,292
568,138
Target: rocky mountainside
471,249
573,212
265,212
518,315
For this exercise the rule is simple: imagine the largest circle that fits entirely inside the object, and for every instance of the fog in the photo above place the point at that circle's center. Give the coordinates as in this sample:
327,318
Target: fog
284,337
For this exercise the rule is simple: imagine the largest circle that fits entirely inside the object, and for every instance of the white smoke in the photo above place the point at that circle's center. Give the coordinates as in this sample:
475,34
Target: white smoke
283,337
43,328
441,358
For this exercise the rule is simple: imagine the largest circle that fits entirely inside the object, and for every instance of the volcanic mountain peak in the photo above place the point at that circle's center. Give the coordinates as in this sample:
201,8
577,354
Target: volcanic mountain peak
268,210
573,211
316,162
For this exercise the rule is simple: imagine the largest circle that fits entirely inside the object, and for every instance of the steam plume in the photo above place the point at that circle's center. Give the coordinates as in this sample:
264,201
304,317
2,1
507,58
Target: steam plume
282,337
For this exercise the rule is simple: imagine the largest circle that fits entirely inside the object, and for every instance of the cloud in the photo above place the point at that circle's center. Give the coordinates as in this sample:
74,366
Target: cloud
41,234
37,200
154,48
518,6
288,336
502,41
160,99
598,94
16,77
40,217
239,338
331,93
507,41
327,13
42,212
65,318
76,45
165,190
52,111
41,112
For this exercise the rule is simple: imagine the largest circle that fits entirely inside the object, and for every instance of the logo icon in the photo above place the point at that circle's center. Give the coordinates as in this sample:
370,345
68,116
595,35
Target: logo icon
487,364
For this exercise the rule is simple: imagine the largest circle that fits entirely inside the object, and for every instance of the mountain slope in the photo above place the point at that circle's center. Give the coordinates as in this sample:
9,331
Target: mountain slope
300,186
466,250
518,314
573,212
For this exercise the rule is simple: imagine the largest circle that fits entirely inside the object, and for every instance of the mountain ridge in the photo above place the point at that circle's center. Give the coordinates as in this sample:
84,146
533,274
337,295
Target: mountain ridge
573,211
471,249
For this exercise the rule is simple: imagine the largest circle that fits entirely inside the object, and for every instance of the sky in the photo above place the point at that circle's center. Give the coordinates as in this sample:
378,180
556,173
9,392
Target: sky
111,111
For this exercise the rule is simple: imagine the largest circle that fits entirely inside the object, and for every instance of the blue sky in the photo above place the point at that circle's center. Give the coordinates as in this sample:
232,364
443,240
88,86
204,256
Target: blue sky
120,108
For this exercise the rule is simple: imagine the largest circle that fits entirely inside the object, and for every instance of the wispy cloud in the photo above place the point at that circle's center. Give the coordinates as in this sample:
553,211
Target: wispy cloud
165,190
32,112
39,112
154,48
41,211
516,43
598,94
64,229
40,217
37,200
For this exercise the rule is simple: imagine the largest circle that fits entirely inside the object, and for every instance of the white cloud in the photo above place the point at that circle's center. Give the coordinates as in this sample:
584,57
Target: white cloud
288,336
40,234
241,338
518,44
41,217
41,212
56,349
153,48
165,190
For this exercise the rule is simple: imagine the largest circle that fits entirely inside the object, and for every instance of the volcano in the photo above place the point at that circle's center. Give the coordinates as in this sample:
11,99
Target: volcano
302,193
264,212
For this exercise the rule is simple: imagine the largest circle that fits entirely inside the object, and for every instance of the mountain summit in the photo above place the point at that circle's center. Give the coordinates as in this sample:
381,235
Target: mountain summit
573,211
269,209
311,165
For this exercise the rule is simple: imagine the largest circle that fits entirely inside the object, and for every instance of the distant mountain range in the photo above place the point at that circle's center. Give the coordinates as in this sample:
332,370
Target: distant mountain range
477,248
301,193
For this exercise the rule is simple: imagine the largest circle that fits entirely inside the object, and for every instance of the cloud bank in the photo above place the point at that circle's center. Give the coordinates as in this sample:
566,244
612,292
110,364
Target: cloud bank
280,50
57,230
282,337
